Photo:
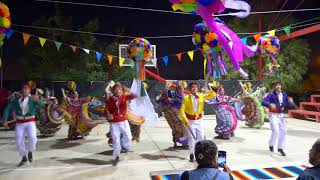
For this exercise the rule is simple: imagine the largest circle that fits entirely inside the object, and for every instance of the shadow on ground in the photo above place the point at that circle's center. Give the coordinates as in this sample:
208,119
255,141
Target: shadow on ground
86,161
159,156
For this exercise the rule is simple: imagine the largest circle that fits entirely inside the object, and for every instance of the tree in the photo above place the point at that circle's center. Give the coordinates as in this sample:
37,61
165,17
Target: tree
48,63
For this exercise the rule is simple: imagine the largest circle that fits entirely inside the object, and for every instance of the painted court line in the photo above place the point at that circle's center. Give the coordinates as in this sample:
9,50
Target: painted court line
79,167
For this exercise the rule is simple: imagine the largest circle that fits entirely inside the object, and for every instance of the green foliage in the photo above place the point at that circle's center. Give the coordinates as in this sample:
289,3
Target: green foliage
50,64
293,58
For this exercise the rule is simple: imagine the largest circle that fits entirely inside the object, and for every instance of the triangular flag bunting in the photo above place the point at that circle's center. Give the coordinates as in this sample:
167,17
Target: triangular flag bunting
179,56
131,64
98,56
190,53
244,40
25,37
58,45
165,60
121,61
110,59
86,50
42,41
257,37
272,32
9,33
74,48
287,30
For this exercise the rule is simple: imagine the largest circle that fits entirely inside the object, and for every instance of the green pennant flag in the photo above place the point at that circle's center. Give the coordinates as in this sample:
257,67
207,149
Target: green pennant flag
58,45
131,64
287,30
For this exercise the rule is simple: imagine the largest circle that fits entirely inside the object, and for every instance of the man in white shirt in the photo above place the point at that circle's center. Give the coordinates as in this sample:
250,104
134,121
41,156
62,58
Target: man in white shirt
277,101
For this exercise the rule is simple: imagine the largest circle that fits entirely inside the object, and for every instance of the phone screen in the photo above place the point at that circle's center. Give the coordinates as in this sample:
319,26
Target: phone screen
222,158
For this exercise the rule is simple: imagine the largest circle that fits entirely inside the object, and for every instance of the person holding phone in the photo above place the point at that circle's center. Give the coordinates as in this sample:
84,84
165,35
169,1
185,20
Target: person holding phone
206,153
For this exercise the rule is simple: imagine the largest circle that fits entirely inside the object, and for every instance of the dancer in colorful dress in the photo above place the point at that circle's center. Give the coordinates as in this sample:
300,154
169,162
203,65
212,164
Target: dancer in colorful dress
191,111
225,116
253,109
25,109
170,103
79,122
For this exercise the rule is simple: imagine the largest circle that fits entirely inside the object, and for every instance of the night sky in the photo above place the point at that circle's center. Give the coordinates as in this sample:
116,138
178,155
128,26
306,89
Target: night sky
137,23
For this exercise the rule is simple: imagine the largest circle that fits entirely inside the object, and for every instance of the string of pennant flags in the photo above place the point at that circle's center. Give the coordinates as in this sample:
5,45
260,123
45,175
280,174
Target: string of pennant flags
26,37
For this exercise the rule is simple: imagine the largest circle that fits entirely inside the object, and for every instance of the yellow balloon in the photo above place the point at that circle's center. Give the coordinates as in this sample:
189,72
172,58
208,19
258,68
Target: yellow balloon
6,22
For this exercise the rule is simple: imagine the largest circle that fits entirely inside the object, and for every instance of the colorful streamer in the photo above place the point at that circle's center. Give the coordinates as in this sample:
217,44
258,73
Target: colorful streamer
205,8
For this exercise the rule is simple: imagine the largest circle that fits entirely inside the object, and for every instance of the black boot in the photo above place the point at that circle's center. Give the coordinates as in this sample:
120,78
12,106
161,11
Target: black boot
116,161
23,161
271,148
281,152
191,158
30,158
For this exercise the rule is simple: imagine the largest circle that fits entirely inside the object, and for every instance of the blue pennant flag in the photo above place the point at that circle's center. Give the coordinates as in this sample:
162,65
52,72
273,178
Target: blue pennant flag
98,56
165,60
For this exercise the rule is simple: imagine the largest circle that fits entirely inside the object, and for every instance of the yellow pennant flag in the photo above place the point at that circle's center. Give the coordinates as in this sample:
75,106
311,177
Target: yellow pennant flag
272,32
0,62
121,61
204,67
42,41
190,53
110,59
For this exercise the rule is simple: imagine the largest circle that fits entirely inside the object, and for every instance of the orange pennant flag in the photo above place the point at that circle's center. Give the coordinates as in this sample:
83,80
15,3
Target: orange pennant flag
110,59
74,48
25,37
257,37
179,56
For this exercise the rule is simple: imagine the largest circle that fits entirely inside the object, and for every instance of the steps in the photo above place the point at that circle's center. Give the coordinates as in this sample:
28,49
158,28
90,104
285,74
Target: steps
308,109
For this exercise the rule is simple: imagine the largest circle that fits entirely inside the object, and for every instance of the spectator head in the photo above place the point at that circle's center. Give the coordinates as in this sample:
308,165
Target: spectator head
314,154
206,153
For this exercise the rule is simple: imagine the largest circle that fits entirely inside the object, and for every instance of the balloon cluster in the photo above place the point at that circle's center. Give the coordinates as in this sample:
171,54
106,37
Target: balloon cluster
269,45
5,21
205,41
139,49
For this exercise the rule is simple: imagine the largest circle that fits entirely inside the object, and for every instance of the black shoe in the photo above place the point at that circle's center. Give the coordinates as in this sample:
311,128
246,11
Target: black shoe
30,158
191,158
281,152
23,161
271,148
116,161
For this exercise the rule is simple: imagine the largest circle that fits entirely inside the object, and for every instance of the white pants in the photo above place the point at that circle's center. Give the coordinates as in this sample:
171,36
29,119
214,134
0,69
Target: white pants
278,130
116,130
22,130
196,126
